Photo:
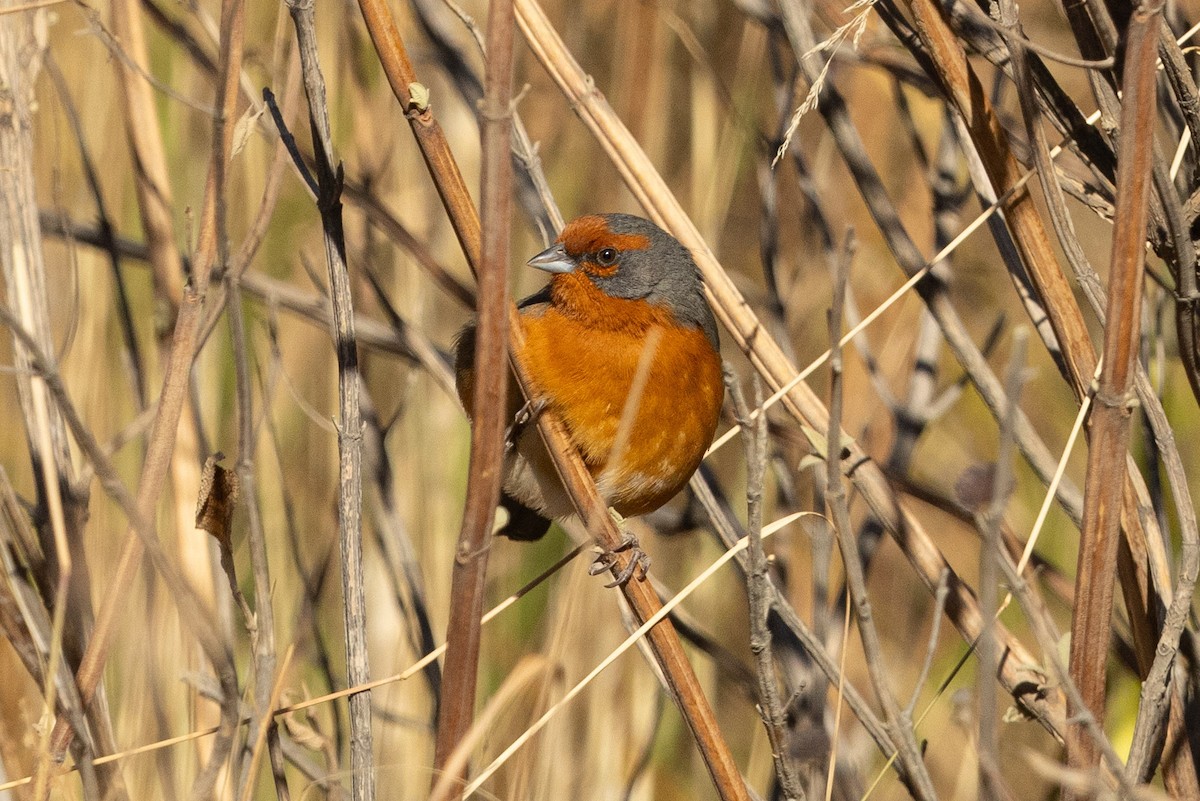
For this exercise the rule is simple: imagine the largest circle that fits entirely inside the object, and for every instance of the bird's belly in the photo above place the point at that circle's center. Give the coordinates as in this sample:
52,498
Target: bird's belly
641,437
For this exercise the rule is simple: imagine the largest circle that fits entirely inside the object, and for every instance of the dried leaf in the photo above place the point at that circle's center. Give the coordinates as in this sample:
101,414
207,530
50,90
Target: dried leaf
217,500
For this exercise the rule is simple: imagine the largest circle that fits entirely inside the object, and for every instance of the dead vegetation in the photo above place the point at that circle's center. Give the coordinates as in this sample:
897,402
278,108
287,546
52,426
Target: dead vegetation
957,239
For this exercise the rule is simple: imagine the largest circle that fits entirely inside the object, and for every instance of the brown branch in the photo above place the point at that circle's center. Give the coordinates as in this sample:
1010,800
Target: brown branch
1090,625
387,221
489,404
431,140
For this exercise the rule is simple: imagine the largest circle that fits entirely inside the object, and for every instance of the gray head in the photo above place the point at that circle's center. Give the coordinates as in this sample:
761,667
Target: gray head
632,258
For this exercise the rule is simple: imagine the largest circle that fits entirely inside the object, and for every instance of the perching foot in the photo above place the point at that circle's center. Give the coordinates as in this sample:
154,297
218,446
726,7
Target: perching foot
639,562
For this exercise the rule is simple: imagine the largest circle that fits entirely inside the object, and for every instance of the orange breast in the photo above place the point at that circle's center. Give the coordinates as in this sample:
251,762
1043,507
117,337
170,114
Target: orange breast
586,373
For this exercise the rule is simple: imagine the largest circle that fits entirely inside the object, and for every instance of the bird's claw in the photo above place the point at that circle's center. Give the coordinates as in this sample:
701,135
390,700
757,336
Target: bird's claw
524,416
606,559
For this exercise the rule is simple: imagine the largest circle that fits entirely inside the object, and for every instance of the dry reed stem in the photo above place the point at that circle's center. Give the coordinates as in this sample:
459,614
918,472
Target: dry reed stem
431,140
1154,559
1016,672
262,624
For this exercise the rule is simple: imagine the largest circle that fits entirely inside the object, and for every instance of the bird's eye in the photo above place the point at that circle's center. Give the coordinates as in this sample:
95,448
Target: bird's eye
607,257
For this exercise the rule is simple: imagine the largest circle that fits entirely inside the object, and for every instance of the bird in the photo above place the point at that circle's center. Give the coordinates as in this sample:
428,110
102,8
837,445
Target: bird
622,347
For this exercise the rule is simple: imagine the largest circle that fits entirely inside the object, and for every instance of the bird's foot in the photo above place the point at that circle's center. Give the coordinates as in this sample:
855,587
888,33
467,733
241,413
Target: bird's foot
521,420
606,559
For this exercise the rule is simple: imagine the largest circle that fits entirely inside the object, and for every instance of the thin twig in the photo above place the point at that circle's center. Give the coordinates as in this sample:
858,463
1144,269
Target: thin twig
758,590
350,436
991,780
908,752
935,628
262,624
